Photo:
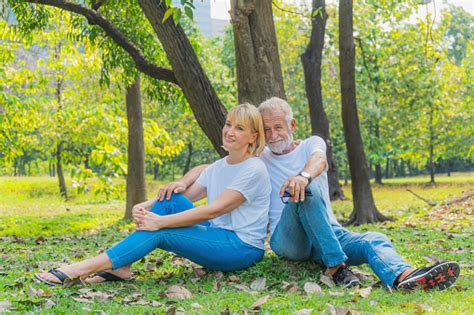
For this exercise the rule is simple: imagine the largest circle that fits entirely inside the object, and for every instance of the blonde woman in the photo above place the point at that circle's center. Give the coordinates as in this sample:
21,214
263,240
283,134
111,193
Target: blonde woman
227,234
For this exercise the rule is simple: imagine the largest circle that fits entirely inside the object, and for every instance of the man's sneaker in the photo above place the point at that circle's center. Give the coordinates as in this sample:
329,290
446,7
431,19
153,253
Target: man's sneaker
345,277
439,277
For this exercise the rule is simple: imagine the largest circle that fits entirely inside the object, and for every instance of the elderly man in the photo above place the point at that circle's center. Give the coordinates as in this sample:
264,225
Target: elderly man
305,228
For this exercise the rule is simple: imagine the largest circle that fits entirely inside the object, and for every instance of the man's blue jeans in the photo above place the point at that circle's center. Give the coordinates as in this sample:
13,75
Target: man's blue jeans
210,247
305,232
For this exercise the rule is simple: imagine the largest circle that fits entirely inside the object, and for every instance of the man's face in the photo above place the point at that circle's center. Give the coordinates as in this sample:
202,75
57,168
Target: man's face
278,134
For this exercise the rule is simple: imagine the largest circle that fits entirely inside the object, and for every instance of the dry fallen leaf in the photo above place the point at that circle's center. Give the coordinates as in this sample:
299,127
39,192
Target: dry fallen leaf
150,267
243,287
365,292
258,284
217,286
32,292
363,276
199,272
233,278
327,281
82,300
178,292
196,305
259,302
432,259
303,311
40,240
49,304
332,293
5,306
289,287
218,275
225,311
331,309
312,288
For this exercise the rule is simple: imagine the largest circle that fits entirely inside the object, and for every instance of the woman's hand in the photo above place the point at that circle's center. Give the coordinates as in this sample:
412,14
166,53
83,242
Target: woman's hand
173,187
148,221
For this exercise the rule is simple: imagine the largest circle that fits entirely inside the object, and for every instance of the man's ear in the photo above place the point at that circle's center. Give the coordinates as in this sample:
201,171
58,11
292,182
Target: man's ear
293,125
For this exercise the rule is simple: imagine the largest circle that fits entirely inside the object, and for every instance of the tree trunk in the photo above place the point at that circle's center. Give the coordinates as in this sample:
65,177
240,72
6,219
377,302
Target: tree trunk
378,173
136,186
59,170
311,60
387,167
156,171
431,148
188,159
258,65
364,207
206,106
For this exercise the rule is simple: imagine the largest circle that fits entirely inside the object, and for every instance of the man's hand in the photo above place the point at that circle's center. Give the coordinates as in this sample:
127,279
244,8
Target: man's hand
296,186
173,187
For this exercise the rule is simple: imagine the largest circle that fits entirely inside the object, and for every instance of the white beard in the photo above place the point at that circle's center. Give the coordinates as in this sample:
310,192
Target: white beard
281,145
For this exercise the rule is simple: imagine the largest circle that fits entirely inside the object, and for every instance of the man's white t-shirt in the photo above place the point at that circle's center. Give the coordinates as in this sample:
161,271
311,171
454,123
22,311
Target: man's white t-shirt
280,167
250,177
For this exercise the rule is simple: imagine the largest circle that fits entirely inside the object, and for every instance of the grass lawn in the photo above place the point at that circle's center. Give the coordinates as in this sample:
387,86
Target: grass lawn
38,230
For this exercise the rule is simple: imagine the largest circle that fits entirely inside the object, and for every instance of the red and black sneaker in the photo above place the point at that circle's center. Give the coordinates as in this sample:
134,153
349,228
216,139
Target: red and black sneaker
438,277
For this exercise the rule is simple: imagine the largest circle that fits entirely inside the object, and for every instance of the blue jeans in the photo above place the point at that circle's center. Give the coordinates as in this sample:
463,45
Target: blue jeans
210,247
305,232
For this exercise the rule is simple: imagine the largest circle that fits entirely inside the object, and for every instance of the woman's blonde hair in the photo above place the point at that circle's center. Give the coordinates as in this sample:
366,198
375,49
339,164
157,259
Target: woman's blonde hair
248,115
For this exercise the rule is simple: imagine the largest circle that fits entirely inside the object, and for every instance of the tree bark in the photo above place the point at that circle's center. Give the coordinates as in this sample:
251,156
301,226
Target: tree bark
136,186
258,65
431,148
156,171
59,170
364,210
188,159
378,174
311,60
206,106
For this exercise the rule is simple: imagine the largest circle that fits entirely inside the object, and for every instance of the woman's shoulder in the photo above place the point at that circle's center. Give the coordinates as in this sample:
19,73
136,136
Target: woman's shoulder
257,165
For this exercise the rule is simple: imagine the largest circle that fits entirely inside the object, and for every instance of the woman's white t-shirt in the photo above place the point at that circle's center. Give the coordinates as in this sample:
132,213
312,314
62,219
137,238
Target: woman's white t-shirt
250,177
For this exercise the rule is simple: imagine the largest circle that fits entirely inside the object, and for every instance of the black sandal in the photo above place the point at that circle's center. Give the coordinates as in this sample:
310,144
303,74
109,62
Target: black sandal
109,277
64,278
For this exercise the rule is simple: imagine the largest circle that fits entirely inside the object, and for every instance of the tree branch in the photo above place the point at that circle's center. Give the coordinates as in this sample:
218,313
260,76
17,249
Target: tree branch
95,18
97,5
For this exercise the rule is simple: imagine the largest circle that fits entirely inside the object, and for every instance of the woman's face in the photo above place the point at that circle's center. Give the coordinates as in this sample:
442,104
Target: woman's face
236,136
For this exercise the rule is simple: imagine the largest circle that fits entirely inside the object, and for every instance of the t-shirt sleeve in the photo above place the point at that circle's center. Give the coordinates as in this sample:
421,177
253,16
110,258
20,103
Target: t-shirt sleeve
252,181
203,179
316,144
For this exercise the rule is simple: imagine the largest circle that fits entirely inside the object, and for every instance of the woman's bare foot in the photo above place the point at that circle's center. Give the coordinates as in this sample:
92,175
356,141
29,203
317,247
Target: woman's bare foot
123,273
51,277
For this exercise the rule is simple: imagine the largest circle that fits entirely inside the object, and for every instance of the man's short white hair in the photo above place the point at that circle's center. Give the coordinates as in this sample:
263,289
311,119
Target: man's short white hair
276,103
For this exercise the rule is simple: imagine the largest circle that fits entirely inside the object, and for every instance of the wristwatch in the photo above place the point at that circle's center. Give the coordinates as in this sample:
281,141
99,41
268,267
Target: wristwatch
306,175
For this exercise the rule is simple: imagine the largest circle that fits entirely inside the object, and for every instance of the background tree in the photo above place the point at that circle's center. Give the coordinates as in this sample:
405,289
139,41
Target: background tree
364,206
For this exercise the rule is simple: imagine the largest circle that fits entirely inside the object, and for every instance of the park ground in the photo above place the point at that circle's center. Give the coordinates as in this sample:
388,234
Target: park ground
38,230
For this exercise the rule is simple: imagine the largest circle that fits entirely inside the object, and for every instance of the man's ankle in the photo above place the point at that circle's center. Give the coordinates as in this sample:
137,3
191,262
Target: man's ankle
332,270
403,275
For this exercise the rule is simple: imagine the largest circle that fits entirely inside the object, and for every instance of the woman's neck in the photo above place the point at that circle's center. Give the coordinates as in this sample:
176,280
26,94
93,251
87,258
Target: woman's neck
237,157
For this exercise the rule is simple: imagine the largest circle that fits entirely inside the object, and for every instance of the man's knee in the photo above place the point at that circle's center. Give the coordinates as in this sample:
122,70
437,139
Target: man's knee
376,238
315,201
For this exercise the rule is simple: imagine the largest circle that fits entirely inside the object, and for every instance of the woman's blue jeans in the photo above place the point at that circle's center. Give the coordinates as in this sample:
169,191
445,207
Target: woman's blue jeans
211,247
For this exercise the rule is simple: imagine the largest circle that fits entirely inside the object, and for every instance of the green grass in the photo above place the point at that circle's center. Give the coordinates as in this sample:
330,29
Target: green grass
30,211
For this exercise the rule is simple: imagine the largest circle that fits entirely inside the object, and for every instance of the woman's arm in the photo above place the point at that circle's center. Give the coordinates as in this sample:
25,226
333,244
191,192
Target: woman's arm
181,185
226,202
195,192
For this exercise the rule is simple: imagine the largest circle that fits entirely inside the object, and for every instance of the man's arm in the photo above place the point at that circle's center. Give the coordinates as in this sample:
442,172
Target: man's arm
181,185
315,165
